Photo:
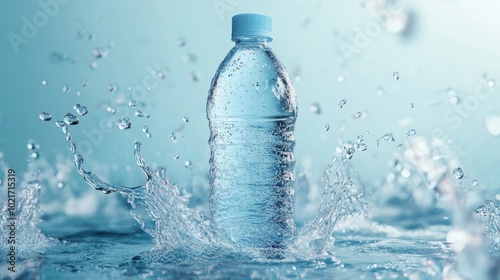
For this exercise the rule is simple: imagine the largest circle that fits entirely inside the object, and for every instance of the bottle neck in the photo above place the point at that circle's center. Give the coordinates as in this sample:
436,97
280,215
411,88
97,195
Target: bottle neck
252,41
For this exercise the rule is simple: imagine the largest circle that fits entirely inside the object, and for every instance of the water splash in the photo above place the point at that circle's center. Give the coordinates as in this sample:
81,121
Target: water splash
179,236
337,201
492,213
29,240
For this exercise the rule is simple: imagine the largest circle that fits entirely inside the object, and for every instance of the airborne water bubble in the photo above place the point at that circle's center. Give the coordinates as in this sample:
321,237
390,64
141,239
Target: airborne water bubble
139,113
349,153
342,103
112,88
66,88
30,146
411,132
173,137
80,109
475,182
327,127
71,119
315,108
180,42
386,137
458,173
395,75
44,116
99,53
124,124
111,110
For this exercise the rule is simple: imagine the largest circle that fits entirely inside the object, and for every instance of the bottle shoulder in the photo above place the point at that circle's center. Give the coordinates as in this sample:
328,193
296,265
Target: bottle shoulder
253,76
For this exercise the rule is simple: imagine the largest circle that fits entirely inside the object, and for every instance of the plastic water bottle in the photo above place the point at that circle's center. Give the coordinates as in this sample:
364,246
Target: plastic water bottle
252,110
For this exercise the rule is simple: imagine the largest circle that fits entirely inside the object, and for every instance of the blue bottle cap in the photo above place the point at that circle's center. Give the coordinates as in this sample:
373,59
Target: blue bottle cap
252,25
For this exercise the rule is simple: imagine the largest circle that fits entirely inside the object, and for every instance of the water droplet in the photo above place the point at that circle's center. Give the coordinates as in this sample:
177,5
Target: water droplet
349,153
148,134
411,132
162,73
359,115
44,116
475,182
80,109
195,76
491,83
60,185
57,58
185,119
31,146
78,93
84,83
34,155
139,113
360,138
396,22
99,53
400,146
386,137
111,110
60,123
66,88
342,103
44,82
71,119
180,42
341,79
315,108
189,57
395,75
145,129
362,147
187,163
380,91
327,127
112,88
405,173
454,100
176,157
93,65
132,103
412,106
124,124
458,173
173,137
492,124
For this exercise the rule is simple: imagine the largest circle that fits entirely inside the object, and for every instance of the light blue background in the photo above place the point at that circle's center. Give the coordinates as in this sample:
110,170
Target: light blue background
447,44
